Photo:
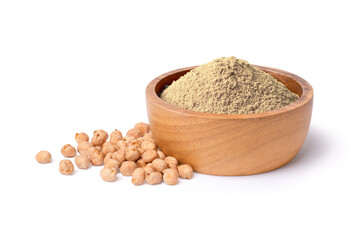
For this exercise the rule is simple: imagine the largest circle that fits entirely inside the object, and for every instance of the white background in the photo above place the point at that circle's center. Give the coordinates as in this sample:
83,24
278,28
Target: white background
71,66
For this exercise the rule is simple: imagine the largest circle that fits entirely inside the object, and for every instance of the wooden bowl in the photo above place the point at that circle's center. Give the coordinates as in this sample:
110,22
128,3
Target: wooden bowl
221,144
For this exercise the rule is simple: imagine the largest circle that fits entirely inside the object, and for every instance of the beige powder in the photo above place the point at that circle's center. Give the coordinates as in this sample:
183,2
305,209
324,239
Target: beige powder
228,85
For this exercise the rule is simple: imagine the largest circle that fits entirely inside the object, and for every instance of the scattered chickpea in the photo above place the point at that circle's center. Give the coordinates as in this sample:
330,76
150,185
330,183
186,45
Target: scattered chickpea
161,155
91,150
84,146
82,162
135,143
171,161
115,136
149,155
171,177
132,154
138,176
171,168
97,158
140,140
148,145
121,144
112,163
119,155
148,168
43,157
108,174
134,132
68,151
148,136
159,165
108,147
66,167
142,127
185,171
127,168
99,138
141,163
108,156
80,137
154,178
129,138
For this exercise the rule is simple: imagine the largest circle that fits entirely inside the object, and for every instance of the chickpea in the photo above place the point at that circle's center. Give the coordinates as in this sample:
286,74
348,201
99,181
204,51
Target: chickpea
135,143
138,176
82,162
127,168
97,158
43,157
171,168
161,155
80,137
149,155
148,145
141,163
129,138
171,161
141,150
66,167
91,150
119,155
185,171
134,132
99,138
108,147
121,144
115,136
84,146
171,177
159,165
132,154
108,156
148,136
148,168
140,140
68,151
154,178
112,163
108,174
142,127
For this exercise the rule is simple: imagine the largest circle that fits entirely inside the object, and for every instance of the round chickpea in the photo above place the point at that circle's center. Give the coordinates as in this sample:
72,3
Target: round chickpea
119,155
161,155
149,155
68,151
138,176
171,161
43,157
159,165
80,137
82,162
154,178
108,156
132,154
148,136
148,168
148,145
134,143
141,163
99,138
91,150
171,168
97,158
108,174
84,146
129,138
121,144
115,136
108,147
142,127
127,168
134,132
185,171
171,177
112,163
66,167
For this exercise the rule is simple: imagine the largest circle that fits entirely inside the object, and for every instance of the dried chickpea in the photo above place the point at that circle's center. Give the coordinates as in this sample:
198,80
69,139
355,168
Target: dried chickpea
82,162
134,132
148,145
171,168
108,174
112,163
127,168
43,157
185,171
115,136
148,136
149,155
80,137
66,167
135,143
108,156
91,150
161,155
84,146
141,163
68,151
97,158
119,155
142,127
121,144
148,168
154,178
141,150
108,147
171,161
129,138
138,176
99,138
132,154
159,165
140,140
171,177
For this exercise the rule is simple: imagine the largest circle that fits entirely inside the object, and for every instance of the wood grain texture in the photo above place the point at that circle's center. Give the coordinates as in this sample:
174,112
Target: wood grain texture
221,144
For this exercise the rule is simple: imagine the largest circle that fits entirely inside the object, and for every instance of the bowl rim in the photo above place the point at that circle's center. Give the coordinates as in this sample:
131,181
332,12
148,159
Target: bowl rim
307,95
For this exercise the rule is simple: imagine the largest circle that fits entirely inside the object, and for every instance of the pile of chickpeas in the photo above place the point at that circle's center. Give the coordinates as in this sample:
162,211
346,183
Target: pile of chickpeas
136,154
